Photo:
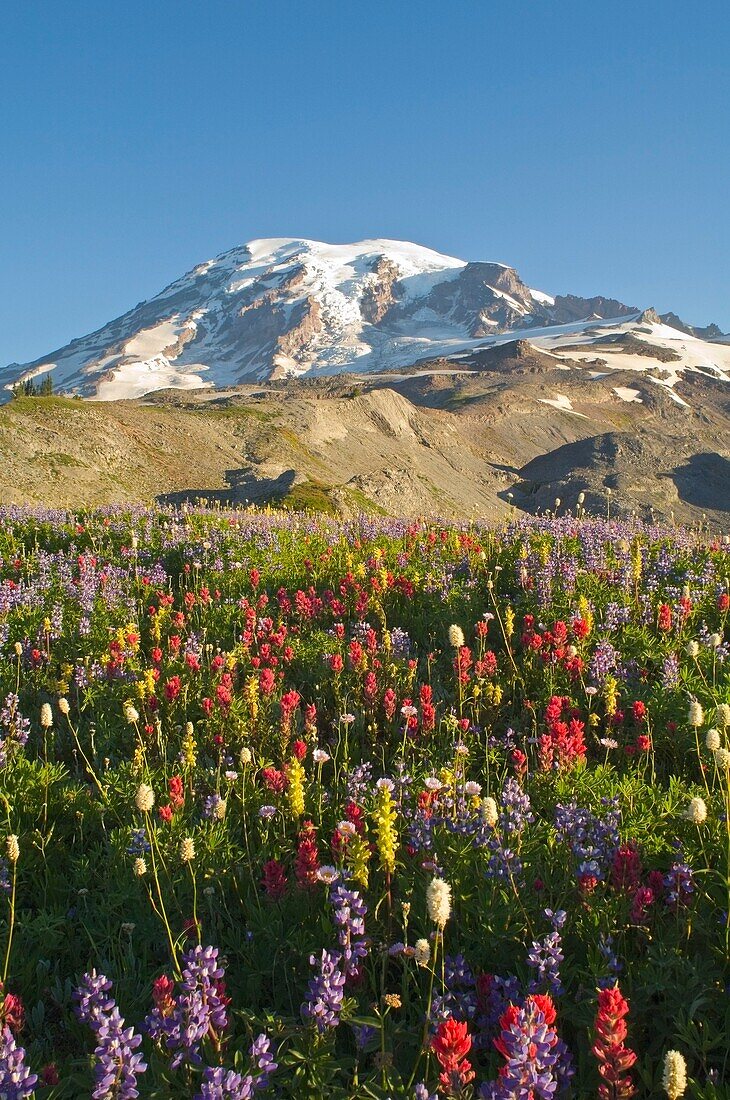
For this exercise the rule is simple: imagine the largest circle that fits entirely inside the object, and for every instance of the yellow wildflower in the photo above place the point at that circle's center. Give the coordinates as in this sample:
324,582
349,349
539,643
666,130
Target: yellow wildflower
386,836
358,857
295,790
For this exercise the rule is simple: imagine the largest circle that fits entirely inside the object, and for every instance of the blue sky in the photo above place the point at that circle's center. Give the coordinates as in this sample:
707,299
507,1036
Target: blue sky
584,143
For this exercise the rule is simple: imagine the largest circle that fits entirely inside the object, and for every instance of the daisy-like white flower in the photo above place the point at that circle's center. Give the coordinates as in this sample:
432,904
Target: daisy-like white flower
327,874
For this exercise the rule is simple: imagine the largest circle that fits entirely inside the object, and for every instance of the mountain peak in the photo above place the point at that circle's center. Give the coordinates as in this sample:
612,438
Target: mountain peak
280,306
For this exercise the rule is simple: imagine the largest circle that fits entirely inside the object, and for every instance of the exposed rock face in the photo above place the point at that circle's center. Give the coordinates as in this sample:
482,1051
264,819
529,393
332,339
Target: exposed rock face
296,347
706,332
381,294
485,299
570,307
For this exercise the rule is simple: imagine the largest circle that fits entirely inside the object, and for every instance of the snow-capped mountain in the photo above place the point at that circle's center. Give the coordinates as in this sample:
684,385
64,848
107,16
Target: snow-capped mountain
285,307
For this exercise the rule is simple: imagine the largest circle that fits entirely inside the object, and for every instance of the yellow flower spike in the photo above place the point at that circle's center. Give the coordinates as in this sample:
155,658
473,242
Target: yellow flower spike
189,747
358,857
509,621
386,836
636,562
295,791
610,695
252,696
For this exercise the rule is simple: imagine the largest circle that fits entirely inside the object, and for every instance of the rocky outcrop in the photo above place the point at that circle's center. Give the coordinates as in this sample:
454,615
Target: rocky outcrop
484,298
702,332
571,307
381,294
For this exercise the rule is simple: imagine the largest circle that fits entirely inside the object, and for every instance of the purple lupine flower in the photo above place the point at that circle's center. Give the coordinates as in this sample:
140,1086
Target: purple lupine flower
615,616
14,728
670,671
603,661
221,1084
546,956
593,840
138,844
198,1009
400,643
16,1080
613,964
494,995
358,781
679,884
349,912
364,1034
459,997
528,1045
325,993
260,1051
117,1066
515,813
5,886
421,1093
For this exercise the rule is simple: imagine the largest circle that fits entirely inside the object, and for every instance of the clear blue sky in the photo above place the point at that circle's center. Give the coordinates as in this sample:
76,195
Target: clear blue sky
588,144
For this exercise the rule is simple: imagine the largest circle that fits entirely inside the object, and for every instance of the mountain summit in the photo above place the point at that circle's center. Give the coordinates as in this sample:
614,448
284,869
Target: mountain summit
283,307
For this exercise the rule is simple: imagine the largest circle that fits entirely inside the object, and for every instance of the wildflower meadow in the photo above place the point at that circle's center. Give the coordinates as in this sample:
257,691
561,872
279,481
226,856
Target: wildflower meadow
306,808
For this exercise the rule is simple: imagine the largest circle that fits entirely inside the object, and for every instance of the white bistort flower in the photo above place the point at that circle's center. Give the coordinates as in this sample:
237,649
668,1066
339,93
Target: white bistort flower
456,636
187,849
144,798
712,740
438,901
696,811
490,813
722,759
674,1076
695,714
422,952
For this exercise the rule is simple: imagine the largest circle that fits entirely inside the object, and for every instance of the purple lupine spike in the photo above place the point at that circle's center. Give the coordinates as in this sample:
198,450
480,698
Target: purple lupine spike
546,956
326,991
199,1009
117,1065
16,1080
527,1044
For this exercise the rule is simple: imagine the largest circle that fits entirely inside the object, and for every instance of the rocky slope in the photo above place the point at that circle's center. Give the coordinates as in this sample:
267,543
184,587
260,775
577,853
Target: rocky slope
511,426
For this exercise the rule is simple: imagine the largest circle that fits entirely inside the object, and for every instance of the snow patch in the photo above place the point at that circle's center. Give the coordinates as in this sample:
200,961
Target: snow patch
626,393
563,403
